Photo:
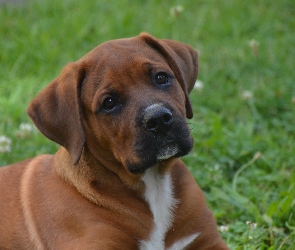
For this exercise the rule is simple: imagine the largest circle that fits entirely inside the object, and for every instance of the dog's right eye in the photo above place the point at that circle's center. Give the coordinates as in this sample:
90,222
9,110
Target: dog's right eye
109,103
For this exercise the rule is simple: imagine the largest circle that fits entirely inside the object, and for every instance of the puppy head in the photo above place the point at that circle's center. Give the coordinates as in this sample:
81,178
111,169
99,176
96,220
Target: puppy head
125,101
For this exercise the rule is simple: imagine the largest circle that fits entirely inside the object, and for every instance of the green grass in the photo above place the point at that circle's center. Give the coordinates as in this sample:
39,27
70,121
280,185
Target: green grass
244,154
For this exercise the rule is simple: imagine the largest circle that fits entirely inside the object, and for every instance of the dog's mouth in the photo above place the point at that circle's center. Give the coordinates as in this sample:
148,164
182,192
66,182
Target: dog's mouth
161,151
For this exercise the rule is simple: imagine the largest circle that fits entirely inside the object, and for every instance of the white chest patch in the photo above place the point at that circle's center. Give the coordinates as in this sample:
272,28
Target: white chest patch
159,195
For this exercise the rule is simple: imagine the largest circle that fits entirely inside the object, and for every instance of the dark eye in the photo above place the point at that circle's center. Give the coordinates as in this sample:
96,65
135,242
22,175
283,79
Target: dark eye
162,78
109,103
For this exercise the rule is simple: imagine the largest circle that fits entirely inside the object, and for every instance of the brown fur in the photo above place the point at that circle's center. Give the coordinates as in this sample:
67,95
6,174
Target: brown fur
84,196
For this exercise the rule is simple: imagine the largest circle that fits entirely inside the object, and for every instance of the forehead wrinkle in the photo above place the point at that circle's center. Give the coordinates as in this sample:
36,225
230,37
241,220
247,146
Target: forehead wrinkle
132,73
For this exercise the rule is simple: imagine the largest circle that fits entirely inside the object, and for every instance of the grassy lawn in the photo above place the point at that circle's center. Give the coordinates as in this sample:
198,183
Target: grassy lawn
244,108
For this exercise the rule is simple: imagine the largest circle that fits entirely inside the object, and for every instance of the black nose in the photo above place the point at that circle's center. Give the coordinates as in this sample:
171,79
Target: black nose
158,119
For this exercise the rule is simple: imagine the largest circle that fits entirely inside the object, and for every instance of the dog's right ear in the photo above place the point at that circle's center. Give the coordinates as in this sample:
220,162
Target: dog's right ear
56,110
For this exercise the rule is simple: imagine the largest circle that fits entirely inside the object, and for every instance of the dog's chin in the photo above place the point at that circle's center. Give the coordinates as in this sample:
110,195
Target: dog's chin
139,168
168,151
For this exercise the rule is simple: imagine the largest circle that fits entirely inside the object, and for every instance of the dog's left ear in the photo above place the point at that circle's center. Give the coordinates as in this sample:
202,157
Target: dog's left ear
56,110
182,59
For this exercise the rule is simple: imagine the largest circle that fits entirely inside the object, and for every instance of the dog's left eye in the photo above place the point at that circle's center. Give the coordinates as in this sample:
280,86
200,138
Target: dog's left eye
109,103
162,78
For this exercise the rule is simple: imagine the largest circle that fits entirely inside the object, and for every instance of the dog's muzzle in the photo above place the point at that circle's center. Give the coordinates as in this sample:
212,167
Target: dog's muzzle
158,120
162,134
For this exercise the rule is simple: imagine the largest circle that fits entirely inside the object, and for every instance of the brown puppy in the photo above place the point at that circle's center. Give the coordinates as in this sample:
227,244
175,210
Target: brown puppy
117,182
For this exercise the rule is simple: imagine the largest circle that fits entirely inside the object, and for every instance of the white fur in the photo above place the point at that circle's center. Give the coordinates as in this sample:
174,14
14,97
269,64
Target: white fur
167,152
159,195
181,244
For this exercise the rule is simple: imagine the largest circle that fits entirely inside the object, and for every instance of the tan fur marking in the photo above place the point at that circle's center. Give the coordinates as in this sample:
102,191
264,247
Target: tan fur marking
26,206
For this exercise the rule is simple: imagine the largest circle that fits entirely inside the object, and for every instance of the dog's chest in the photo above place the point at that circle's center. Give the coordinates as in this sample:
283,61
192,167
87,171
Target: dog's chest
159,195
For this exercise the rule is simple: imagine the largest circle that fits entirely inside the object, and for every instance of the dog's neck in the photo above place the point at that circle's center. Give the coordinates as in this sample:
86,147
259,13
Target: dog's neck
151,197
90,174
100,186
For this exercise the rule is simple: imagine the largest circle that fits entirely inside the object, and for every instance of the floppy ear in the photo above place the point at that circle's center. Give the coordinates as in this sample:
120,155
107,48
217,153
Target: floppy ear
182,59
57,113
